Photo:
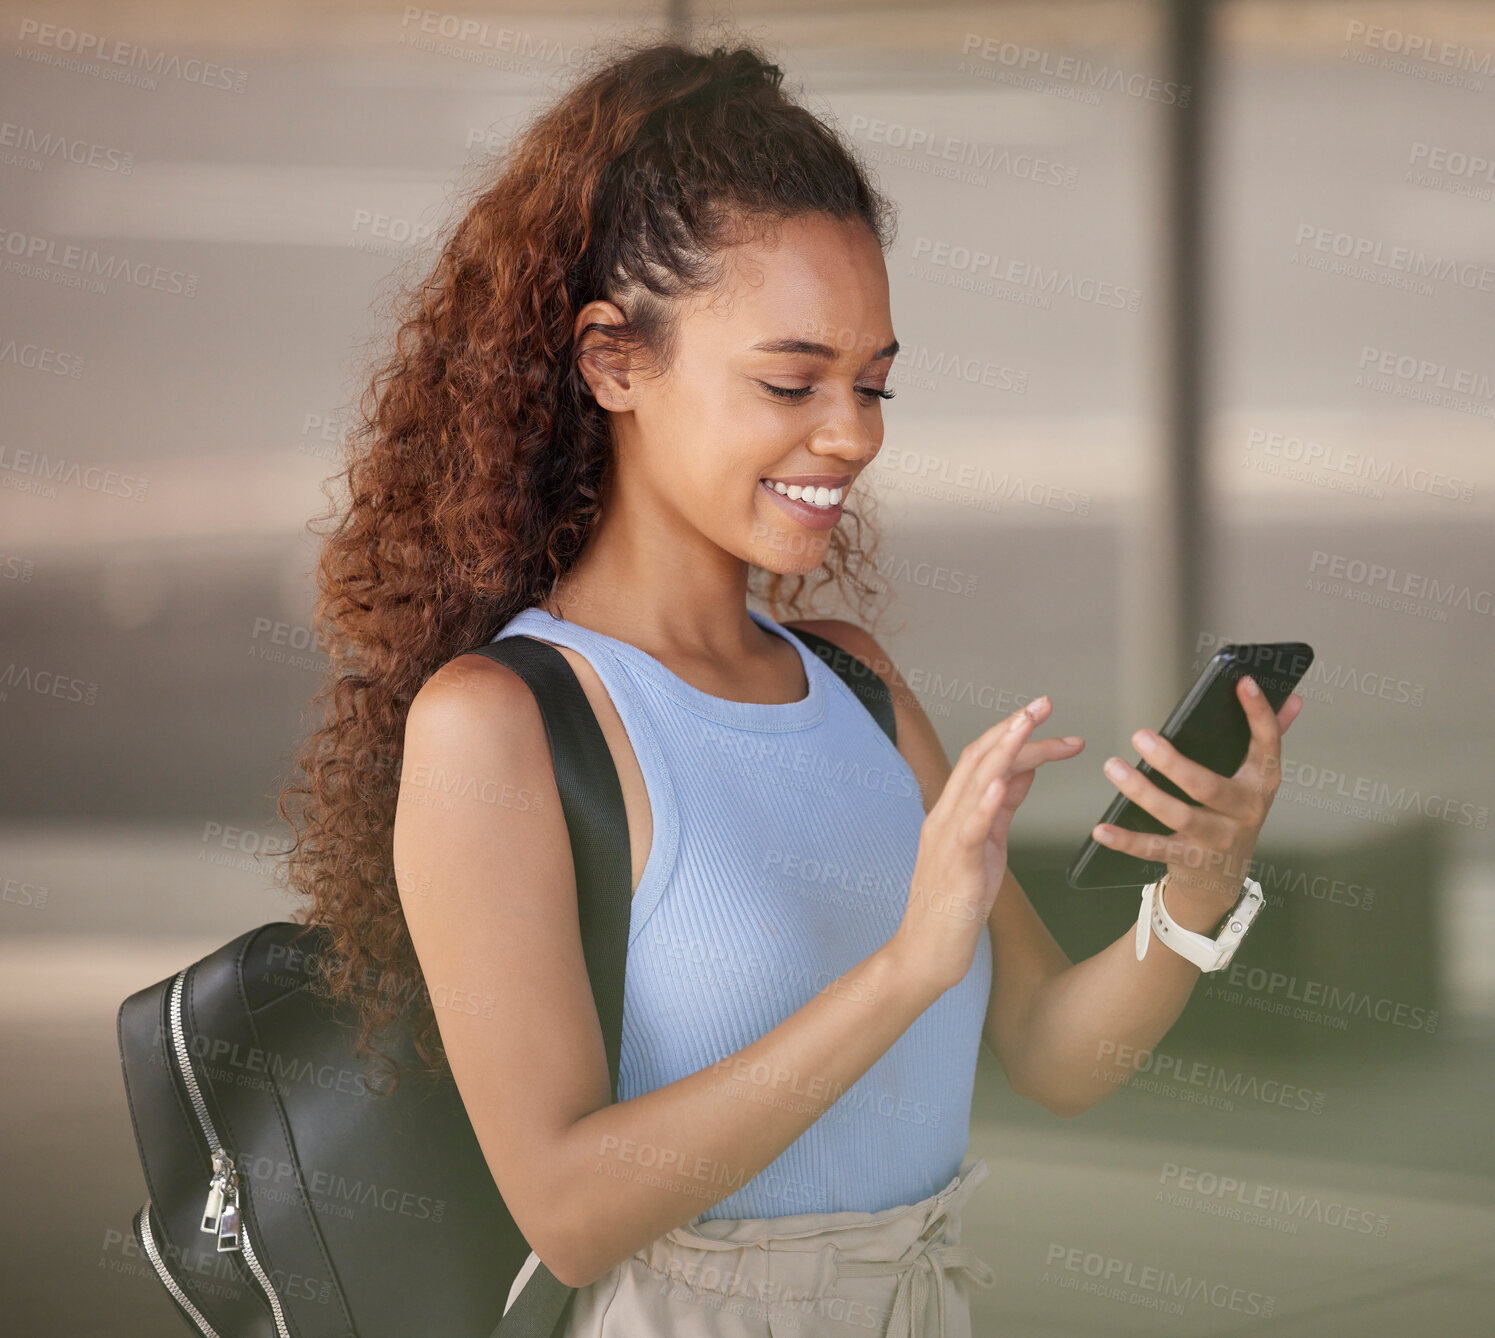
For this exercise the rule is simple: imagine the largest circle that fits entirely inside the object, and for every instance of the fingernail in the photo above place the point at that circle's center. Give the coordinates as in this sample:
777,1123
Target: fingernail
1251,689
1115,769
1073,739
1035,706
1145,740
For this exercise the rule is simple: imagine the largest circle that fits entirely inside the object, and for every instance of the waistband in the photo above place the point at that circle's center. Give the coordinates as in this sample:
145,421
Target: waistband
801,1257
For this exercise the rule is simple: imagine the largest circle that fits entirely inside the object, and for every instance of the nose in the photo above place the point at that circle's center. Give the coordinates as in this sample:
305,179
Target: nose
846,435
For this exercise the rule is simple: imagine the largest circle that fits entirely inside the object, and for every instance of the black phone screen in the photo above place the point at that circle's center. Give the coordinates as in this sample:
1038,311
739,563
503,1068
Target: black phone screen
1208,726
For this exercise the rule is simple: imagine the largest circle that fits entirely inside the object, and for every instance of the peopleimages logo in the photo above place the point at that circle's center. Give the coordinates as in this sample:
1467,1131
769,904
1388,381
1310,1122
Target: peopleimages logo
1275,879
837,773
1367,257
70,49
1385,794
713,964
37,471
1335,459
1452,170
33,256
332,1194
46,683
1152,1282
926,368
1255,1204
1425,381
27,146
1031,60
971,483
1418,47
419,25
1202,1073
951,156
933,256
1318,1001
39,358
1369,579
1333,675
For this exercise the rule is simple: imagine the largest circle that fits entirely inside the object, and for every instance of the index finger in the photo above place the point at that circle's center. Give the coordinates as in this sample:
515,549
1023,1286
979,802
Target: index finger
989,756
972,755
1264,754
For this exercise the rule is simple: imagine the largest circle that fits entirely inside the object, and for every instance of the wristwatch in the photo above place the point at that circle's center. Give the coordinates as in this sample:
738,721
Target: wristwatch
1208,954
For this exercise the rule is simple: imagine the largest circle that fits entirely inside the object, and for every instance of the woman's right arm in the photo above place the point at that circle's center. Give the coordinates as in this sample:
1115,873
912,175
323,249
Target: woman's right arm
483,863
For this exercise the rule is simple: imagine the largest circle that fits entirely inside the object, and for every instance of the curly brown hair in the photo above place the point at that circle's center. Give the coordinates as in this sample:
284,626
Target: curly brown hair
479,466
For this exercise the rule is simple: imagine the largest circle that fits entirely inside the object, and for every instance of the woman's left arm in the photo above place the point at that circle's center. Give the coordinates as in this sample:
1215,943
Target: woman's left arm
1067,1033
1077,1030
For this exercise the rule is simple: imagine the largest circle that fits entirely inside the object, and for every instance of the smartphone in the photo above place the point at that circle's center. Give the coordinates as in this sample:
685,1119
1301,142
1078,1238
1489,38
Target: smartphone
1208,726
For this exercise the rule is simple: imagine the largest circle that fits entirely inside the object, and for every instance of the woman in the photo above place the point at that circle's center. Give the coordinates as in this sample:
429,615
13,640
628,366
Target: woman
652,361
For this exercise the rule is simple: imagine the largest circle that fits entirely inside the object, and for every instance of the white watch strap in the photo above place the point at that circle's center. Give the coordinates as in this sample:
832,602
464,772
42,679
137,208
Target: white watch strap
1144,921
1208,954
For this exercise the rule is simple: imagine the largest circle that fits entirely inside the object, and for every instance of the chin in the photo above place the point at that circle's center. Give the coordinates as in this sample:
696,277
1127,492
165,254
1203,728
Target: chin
786,552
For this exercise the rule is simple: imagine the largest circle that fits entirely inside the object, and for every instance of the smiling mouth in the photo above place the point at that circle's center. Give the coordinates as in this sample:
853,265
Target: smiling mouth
812,493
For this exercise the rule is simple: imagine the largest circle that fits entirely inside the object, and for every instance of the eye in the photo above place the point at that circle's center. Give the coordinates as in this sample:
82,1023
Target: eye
795,395
786,392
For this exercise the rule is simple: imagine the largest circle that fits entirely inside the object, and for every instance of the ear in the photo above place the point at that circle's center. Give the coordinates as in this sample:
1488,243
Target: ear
598,361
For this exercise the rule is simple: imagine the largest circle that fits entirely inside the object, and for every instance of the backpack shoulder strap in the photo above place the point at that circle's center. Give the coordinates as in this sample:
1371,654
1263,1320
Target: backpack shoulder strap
592,800
868,685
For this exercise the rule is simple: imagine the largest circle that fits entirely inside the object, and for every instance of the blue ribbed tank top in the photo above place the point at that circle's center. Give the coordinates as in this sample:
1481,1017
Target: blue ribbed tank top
783,847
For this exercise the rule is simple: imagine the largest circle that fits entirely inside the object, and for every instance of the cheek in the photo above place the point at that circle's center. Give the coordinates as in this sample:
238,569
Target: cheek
735,451
723,440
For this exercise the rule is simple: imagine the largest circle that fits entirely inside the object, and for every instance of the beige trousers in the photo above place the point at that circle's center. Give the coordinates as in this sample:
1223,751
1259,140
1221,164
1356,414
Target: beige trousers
899,1273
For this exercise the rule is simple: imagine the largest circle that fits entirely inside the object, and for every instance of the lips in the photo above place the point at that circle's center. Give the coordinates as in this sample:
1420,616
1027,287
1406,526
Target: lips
811,517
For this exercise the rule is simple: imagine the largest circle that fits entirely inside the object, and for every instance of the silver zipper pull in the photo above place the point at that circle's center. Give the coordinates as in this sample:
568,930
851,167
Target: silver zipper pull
214,1204
213,1207
228,1221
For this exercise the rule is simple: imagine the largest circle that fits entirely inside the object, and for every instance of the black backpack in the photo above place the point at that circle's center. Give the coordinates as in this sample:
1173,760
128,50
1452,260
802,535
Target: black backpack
285,1199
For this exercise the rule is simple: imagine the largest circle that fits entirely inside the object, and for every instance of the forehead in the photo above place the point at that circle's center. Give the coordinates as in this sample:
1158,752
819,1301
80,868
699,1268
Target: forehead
814,278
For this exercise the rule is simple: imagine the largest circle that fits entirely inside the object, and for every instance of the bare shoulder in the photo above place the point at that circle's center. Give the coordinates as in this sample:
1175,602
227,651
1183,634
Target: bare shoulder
474,733
917,740
474,692
476,777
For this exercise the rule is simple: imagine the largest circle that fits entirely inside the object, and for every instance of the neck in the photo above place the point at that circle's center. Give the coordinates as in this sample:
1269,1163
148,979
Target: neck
656,582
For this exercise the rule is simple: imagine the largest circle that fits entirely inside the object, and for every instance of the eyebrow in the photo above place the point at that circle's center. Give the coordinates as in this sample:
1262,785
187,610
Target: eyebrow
816,350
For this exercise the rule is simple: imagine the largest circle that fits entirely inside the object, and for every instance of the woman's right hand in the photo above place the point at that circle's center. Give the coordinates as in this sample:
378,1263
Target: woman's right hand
963,846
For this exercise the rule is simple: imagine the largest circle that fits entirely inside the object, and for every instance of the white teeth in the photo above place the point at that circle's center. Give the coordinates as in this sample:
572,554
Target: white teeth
825,498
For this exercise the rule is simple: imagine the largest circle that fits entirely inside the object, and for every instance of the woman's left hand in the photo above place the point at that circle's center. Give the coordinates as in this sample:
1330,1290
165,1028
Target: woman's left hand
1210,848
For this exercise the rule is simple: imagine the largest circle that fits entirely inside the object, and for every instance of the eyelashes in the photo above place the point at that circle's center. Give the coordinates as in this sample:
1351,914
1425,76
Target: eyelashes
794,396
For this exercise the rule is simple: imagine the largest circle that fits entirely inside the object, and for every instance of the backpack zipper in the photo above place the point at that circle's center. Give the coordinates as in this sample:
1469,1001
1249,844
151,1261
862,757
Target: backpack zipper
221,1211
167,1281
